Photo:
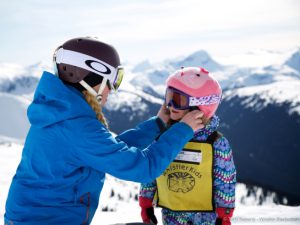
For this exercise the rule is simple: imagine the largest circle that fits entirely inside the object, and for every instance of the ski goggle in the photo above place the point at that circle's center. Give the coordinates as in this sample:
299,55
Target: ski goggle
180,100
177,99
97,66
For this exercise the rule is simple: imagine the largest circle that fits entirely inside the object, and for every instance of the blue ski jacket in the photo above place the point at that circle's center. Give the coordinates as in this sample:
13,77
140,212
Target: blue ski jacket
68,151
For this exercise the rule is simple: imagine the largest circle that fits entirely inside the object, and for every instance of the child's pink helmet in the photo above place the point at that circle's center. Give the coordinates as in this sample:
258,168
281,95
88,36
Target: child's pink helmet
197,82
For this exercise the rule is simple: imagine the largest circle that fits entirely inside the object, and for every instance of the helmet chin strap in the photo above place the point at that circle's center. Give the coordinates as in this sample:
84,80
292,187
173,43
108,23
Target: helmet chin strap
92,90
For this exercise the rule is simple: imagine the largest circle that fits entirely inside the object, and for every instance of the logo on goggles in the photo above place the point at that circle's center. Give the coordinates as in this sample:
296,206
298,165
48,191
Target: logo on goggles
205,100
98,66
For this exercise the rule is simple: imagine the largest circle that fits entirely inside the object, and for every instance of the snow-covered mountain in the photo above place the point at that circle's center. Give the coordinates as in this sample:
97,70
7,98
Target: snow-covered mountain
294,60
260,111
200,57
13,116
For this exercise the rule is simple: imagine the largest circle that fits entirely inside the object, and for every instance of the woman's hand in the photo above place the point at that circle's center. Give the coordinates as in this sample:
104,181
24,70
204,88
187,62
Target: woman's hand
194,119
164,114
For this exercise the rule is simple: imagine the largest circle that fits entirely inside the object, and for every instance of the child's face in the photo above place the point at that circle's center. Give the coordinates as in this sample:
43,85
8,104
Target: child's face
176,114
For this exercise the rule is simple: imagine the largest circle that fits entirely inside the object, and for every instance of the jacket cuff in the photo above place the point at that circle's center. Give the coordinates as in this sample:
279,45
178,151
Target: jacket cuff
145,202
224,212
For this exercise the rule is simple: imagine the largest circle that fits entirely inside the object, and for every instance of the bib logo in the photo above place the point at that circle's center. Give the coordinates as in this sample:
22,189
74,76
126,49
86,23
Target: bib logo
181,182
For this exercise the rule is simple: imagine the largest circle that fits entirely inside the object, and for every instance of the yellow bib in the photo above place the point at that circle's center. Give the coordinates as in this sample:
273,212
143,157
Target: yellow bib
187,184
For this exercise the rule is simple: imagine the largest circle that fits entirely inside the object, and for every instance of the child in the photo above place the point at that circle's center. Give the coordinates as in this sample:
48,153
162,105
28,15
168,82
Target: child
198,187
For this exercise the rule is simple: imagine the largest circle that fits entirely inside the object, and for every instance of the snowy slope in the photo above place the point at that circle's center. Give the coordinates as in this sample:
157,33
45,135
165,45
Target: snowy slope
20,80
294,60
17,85
118,198
273,93
13,113
248,215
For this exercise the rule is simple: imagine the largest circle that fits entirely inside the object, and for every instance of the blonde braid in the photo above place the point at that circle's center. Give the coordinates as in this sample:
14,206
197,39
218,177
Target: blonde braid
92,101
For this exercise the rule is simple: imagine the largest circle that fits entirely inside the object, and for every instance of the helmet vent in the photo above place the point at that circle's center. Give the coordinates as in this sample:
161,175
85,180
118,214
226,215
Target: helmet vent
198,75
64,68
71,74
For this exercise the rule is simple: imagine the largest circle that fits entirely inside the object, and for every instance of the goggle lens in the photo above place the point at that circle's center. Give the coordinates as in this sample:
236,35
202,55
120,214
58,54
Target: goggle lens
119,78
176,99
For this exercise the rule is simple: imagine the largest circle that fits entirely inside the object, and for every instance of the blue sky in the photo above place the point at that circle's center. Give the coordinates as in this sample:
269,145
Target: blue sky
154,30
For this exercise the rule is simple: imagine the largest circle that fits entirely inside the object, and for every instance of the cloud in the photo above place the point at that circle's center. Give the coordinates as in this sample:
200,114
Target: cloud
141,24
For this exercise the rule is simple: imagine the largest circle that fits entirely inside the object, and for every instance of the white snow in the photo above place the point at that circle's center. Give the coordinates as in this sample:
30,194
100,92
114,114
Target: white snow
13,114
142,66
11,71
10,155
274,93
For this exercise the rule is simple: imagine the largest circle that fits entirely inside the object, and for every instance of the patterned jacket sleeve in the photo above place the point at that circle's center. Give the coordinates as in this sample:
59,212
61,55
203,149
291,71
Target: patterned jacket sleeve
147,190
224,174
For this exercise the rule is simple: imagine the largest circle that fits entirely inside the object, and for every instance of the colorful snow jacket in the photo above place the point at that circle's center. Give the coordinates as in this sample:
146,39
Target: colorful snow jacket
224,182
68,151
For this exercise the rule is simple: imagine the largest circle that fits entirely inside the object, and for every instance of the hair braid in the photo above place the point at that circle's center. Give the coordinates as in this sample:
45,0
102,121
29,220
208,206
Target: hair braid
92,101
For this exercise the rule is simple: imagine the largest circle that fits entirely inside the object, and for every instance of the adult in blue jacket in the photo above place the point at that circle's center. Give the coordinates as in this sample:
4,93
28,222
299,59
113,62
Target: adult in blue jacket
69,149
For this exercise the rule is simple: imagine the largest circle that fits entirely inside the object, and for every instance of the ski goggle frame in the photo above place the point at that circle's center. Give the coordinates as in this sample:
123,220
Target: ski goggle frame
118,77
181,101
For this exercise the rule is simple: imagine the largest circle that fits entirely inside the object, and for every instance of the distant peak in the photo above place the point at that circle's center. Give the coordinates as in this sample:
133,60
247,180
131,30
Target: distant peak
142,66
198,58
200,53
294,60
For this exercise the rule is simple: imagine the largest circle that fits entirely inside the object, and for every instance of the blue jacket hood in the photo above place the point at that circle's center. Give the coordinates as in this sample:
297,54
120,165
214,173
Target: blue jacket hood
54,102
